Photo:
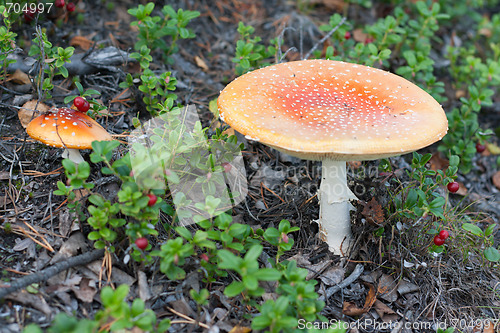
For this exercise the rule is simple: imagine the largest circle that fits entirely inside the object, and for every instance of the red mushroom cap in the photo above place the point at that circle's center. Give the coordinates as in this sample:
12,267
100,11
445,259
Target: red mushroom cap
323,109
64,127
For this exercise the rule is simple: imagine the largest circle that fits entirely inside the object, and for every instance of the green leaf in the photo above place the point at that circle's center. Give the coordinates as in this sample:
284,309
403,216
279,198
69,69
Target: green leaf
474,229
490,229
229,260
492,254
250,282
184,233
269,274
69,166
253,253
234,289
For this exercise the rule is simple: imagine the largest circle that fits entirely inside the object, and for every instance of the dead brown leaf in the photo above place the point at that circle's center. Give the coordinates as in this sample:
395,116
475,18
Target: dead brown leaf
70,247
462,190
240,329
387,287
82,42
373,212
438,163
19,77
337,5
28,111
4,175
85,292
201,63
334,275
385,312
34,300
405,287
359,35
496,179
351,309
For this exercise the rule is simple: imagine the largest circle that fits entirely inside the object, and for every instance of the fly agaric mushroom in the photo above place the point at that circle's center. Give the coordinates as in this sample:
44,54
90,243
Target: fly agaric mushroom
64,127
334,112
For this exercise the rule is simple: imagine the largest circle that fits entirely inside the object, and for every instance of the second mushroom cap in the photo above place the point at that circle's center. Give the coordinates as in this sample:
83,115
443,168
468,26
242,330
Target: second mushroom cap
317,109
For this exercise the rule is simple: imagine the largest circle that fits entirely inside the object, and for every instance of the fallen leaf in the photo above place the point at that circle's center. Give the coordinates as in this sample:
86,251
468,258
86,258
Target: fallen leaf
142,282
359,35
82,42
460,93
373,212
201,63
438,163
240,329
385,313
212,106
334,275
462,190
316,269
85,292
70,247
182,306
386,288
350,308
22,244
19,77
496,179
337,5
493,148
28,111
4,175
34,300
405,287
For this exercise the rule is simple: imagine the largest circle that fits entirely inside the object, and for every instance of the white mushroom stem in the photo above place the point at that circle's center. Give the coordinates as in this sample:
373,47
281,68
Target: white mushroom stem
334,207
73,154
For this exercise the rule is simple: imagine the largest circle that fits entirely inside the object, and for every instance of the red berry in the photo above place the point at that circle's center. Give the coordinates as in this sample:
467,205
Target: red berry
152,199
453,187
347,35
29,15
204,257
369,40
78,102
141,243
85,107
438,240
59,3
227,167
443,234
70,7
480,148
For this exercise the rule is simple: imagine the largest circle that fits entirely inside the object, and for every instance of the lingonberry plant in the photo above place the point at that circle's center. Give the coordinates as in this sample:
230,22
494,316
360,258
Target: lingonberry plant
420,197
153,31
7,42
54,59
250,52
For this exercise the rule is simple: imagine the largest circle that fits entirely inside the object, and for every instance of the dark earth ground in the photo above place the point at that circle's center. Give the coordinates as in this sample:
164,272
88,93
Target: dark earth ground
438,289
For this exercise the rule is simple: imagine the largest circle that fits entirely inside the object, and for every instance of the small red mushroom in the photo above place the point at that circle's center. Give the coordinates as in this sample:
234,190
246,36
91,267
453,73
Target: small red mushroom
69,129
